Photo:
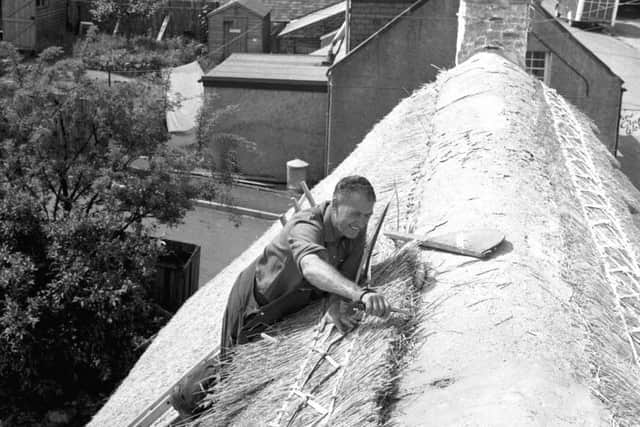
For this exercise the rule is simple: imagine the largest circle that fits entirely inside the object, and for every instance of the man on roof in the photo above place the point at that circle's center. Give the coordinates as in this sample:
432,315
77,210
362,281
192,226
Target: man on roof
317,254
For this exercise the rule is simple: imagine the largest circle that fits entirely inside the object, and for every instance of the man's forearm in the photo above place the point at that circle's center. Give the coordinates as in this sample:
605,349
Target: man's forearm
326,278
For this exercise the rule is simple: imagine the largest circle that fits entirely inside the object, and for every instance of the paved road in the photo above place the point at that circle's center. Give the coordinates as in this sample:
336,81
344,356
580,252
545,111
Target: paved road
221,237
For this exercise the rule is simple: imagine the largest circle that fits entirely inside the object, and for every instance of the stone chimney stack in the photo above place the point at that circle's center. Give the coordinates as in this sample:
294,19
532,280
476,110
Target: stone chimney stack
499,26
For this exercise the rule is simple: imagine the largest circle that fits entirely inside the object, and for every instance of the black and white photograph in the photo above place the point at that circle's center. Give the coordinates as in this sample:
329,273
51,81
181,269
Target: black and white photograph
322,213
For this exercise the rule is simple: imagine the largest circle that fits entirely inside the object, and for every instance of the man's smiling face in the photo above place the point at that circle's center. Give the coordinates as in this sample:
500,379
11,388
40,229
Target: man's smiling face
351,213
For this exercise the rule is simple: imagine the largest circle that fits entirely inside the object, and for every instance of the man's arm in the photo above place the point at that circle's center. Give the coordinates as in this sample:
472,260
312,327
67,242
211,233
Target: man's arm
326,278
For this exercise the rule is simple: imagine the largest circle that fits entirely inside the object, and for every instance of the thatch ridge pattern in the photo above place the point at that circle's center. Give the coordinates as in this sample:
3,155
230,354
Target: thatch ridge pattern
527,337
619,258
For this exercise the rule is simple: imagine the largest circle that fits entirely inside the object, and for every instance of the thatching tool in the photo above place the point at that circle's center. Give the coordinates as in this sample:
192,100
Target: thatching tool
269,338
297,203
476,243
365,263
307,193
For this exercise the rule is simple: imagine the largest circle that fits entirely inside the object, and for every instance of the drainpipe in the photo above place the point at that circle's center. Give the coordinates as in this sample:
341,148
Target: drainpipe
615,148
579,11
347,20
327,139
615,12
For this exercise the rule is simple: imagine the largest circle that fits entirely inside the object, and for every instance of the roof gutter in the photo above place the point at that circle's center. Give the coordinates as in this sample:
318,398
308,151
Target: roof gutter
266,84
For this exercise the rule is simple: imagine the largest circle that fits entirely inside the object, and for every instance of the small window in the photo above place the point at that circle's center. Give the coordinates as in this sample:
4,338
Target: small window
42,3
536,63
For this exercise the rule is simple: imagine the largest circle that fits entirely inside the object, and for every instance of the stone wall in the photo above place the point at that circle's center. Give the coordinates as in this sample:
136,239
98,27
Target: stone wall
281,124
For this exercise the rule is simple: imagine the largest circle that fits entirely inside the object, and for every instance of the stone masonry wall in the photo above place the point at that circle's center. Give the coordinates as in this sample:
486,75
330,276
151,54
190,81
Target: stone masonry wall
497,25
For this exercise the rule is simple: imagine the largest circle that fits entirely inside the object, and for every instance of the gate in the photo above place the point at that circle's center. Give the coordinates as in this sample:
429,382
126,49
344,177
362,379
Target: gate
19,23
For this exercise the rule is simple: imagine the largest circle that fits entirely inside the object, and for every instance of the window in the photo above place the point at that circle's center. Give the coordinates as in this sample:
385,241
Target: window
42,3
536,63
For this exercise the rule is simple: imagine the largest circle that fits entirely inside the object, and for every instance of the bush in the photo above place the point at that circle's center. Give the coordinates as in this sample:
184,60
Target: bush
73,305
140,53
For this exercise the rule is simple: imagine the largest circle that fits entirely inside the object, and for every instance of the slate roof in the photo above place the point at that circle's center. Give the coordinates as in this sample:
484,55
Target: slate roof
288,10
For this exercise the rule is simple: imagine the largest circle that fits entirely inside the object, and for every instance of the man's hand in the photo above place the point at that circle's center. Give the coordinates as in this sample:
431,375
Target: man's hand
375,304
342,315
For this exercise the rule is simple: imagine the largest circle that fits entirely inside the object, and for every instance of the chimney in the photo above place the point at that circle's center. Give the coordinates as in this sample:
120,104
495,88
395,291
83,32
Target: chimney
499,26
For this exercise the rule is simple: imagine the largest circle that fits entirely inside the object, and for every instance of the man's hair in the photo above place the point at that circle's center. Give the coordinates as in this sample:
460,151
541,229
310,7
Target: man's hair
354,184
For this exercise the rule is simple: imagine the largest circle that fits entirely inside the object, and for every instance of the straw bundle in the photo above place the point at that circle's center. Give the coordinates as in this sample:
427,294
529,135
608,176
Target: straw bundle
259,379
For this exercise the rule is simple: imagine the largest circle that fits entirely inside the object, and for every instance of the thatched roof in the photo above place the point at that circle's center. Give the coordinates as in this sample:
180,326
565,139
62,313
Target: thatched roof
540,334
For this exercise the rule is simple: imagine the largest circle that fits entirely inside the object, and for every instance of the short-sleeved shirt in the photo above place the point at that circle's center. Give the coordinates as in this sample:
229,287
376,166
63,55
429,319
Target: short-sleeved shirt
309,231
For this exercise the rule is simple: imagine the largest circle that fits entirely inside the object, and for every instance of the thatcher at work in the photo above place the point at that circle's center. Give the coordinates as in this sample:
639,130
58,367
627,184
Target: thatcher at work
317,253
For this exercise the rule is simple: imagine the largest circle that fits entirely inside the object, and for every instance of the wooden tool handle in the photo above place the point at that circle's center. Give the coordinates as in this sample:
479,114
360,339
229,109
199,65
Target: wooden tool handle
307,193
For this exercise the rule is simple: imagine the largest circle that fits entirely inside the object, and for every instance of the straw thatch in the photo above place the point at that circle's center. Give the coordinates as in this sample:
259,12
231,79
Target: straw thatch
538,335
544,333
393,165
258,383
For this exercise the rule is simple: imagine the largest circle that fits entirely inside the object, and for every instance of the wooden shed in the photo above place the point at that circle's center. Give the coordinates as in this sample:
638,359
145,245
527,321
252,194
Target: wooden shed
240,26
33,24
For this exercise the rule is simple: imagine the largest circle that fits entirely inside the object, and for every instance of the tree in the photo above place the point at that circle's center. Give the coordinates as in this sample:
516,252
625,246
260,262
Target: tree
73,144
82,165
110,9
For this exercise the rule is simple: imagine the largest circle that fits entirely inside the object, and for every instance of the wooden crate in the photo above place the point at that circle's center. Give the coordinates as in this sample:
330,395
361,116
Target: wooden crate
177,274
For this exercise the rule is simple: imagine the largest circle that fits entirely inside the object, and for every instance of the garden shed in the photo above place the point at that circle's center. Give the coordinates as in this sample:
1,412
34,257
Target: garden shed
240,26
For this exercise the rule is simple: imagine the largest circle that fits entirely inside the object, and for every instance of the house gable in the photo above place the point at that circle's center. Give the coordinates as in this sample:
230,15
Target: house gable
578,74
371,79
287,10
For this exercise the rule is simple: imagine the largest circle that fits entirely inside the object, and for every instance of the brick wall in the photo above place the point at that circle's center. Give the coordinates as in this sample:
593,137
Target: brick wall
368,16
497,25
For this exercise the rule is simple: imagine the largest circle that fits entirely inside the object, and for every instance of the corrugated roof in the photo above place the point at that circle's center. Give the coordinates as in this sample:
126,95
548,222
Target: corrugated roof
288,10
314,17
269,68
257,6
